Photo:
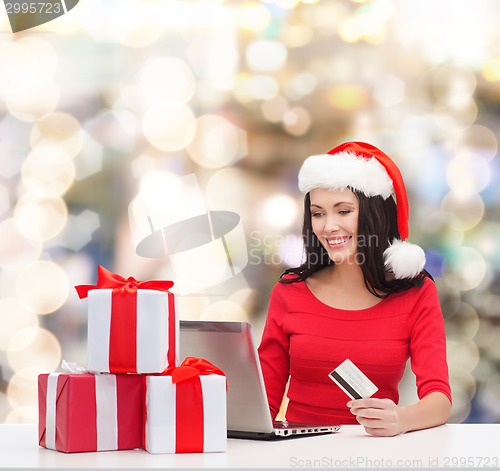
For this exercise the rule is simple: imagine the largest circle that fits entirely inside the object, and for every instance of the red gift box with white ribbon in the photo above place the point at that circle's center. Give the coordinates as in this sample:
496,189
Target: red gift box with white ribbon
89,412
185,409
133,326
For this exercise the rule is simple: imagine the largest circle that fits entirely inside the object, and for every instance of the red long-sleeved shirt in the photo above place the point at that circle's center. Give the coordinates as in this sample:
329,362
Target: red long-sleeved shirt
306,339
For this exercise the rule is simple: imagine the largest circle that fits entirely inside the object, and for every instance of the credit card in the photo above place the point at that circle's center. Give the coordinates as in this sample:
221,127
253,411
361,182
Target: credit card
352,380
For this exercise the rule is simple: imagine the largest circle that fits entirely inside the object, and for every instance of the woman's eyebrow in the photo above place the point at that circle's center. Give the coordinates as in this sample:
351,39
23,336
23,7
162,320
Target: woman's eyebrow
343,202
335,205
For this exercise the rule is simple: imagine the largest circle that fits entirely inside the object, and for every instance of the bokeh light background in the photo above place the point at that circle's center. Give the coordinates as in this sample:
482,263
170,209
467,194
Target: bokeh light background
119,98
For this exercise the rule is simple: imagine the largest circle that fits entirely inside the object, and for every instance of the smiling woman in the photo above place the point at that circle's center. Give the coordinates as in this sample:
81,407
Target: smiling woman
361,294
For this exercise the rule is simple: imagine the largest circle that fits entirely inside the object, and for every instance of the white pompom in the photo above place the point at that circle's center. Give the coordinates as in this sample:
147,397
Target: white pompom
404,259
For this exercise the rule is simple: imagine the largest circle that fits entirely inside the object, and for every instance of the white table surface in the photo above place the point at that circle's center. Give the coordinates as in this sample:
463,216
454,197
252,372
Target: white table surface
476,445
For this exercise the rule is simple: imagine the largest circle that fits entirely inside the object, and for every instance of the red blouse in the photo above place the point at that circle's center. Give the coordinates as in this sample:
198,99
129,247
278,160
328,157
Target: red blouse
306,339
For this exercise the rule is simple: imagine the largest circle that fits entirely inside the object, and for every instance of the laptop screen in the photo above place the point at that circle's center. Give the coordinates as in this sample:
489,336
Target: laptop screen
230,347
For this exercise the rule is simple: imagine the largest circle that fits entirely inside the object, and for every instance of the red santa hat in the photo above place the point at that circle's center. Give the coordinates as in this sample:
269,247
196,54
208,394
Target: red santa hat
367,169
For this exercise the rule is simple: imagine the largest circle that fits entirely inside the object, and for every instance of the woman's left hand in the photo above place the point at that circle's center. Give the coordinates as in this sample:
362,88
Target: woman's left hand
380,417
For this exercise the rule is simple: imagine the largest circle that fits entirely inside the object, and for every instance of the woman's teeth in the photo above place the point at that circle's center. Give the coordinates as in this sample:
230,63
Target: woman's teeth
334,242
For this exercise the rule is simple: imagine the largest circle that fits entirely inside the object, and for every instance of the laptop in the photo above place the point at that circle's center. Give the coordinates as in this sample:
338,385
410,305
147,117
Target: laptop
230,347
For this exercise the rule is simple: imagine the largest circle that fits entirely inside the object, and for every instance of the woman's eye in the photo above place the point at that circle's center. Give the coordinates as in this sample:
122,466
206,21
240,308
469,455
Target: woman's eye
344,211
316,215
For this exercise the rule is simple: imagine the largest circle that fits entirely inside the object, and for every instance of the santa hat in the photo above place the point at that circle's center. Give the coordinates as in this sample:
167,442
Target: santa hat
365,168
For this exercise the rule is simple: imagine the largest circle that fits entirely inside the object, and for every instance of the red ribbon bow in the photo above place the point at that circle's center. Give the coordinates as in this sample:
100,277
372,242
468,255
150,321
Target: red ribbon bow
108,279
191,368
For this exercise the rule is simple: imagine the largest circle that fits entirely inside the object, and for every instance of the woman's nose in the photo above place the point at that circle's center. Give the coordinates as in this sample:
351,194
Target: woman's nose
331,226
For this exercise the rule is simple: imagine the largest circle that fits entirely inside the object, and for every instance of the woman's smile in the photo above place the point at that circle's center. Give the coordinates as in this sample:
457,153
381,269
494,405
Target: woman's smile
337,242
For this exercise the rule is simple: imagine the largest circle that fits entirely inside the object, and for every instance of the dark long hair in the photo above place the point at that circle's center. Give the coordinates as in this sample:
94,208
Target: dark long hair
377,227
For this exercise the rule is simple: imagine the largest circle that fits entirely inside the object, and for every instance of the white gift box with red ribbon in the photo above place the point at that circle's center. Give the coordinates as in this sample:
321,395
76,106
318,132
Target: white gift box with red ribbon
185,410
133,326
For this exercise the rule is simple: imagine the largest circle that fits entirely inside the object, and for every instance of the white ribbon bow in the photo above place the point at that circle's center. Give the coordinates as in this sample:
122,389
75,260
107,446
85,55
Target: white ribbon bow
74,368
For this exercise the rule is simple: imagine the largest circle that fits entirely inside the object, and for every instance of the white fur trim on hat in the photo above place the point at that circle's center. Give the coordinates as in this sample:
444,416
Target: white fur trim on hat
404,259
345,169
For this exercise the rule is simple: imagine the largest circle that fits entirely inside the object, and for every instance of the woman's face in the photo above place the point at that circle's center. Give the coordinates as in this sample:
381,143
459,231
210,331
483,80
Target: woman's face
334,220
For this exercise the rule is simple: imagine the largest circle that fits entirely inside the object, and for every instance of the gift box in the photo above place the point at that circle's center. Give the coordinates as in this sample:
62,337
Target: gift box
87,412
185,409
133,326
